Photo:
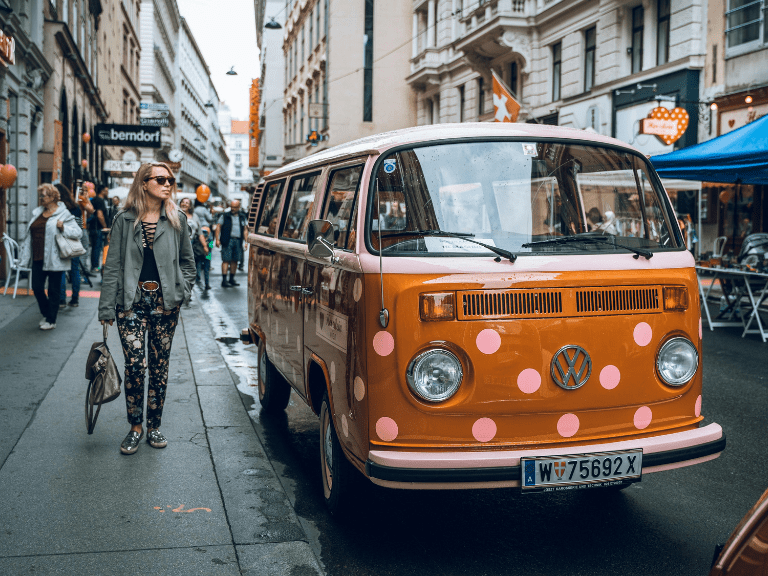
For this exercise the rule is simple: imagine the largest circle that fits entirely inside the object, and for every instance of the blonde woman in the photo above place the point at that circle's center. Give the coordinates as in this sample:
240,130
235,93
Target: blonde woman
149,273
39,248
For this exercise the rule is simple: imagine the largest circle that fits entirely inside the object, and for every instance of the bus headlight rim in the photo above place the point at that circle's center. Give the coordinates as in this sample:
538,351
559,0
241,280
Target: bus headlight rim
674,351
439,360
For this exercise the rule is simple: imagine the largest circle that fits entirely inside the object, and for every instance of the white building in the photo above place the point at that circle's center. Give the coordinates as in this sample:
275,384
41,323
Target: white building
584,63
271,83
160,24
237,140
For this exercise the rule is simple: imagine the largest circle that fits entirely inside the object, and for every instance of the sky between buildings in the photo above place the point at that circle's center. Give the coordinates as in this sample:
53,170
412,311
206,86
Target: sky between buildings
225,32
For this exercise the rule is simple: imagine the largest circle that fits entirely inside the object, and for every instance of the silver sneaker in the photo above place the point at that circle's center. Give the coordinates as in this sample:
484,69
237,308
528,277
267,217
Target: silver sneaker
131,442
156,440
47,326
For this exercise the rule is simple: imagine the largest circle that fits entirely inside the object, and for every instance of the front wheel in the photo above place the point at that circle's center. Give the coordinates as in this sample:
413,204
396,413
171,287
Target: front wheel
274,391
337,473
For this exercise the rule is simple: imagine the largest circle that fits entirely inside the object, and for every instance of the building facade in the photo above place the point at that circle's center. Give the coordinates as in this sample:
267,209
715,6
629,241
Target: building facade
24,70
237,140
584,64
160,31
271,83
344,67
119,54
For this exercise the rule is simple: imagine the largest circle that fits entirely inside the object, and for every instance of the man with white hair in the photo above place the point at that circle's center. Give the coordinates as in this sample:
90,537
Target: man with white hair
230,236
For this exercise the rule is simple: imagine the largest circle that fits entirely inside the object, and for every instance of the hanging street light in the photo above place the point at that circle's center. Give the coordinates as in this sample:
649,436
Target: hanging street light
272,24
232,72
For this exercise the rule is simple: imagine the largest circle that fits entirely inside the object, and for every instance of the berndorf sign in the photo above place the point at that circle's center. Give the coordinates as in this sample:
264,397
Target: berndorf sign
127,134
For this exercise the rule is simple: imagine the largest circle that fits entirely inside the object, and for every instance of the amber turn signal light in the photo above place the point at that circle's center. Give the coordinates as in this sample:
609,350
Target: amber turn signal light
675,298
437,306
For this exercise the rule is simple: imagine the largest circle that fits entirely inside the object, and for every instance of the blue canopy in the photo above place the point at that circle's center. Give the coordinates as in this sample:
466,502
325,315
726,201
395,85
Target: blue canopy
741,155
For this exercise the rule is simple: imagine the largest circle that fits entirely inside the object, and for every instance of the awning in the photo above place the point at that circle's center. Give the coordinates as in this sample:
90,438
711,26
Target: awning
739,156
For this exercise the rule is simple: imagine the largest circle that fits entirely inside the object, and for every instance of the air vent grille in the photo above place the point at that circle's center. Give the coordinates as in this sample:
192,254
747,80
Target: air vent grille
617,300
253,212
478,304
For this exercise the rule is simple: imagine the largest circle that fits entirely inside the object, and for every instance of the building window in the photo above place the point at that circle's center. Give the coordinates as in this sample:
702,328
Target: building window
303,57
430,110
311,28
368,70
480,97
461,103
318,24
512,80
557,56
638,14
589,57
662,35
238,173
238,144
238,157
743,22
714,63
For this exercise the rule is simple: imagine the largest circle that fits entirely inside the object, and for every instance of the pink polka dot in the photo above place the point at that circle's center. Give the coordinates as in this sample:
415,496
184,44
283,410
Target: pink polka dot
701,331
643,417
383,343
386,428
697,407
529,380
609,377
643,334
568,425
484,430
357,291
359,388
488,341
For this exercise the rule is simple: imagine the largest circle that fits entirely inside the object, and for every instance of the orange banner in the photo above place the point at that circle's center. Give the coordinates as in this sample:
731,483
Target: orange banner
505,107
253,127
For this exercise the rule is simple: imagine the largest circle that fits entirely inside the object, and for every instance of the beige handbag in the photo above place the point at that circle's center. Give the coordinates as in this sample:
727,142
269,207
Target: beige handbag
68,248
104,380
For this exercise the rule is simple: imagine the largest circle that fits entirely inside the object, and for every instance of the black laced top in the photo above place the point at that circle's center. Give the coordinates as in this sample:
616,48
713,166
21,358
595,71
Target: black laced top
149,267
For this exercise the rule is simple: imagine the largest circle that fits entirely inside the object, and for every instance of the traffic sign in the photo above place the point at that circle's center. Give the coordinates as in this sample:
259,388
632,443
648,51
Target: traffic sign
163,122
153,106
314,137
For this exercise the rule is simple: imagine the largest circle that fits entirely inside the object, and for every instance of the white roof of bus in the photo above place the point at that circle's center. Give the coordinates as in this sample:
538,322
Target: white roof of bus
378,143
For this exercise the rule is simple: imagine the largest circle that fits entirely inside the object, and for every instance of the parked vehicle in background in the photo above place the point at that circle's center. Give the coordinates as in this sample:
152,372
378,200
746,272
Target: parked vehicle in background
439,297
746,552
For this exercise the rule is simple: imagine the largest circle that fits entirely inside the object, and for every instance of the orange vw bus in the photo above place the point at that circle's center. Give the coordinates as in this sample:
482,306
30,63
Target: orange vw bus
480,305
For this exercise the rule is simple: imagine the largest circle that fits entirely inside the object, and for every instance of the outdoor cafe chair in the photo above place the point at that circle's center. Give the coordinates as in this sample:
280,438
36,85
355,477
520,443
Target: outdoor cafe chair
13,251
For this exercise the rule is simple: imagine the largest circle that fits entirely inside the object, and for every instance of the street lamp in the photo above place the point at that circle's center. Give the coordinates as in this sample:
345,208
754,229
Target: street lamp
232,72
272,24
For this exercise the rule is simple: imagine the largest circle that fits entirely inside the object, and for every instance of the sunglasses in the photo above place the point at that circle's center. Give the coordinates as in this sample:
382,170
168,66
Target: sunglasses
162,180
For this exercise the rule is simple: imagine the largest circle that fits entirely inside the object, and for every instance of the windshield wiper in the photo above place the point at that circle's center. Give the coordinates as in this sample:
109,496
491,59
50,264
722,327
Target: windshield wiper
610,240
463,235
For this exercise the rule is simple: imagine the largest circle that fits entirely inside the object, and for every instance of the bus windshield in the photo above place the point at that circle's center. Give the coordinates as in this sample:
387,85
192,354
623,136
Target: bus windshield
518,196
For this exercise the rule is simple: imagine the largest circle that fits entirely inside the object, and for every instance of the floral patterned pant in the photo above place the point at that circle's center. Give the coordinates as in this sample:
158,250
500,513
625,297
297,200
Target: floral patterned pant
146,316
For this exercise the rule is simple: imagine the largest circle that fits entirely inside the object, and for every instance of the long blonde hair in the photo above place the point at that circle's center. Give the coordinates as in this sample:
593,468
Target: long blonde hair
137,203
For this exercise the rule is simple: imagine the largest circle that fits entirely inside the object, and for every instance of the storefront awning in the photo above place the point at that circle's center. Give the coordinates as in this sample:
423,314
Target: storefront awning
739,156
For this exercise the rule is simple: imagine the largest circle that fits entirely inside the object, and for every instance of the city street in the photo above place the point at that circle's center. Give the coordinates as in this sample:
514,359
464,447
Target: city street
237,492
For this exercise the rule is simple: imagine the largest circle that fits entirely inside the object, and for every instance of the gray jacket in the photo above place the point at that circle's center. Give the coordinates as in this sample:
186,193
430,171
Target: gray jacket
173,254
52,261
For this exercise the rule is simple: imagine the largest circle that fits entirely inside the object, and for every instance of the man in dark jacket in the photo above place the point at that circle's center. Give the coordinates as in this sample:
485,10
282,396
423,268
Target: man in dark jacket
230,235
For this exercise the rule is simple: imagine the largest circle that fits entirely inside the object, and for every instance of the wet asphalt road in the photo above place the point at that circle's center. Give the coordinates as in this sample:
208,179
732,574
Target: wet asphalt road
667,524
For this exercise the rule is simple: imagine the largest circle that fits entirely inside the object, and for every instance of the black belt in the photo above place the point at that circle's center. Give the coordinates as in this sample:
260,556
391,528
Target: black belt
149,286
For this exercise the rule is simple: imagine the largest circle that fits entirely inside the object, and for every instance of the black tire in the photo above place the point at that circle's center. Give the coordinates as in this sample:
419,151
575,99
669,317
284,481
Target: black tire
274,391
338,475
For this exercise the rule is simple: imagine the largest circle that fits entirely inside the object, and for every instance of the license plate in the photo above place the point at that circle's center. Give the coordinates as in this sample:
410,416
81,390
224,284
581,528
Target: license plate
579,471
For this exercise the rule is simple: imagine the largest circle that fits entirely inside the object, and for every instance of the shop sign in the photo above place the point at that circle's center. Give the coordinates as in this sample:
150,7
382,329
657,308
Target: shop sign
162,122
316,110
7,49
667,125
123,134
121,166
153,106
733,119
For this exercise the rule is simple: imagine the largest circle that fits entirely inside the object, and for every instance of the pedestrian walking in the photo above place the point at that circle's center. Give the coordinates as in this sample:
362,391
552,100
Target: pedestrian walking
74,271
97,225
147,276
39,247
230,236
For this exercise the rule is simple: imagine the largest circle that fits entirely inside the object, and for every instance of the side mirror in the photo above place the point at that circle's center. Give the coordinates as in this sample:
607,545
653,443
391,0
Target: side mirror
320,238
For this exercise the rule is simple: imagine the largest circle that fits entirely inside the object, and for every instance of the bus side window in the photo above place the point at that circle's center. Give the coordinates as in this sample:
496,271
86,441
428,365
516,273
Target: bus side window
270,211
340,204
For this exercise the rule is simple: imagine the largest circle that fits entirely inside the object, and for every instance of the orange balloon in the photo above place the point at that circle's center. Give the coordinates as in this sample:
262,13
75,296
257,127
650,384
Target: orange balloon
86,137
203,193
7,176
84,163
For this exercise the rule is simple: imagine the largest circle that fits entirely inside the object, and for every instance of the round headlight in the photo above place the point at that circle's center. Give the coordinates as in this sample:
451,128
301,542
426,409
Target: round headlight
434,375
677,361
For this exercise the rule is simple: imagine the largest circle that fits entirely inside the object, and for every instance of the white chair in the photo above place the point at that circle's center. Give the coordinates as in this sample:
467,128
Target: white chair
12,252
717,250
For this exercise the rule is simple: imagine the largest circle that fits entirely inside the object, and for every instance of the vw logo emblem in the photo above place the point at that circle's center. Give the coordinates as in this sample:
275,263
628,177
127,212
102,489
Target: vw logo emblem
571,367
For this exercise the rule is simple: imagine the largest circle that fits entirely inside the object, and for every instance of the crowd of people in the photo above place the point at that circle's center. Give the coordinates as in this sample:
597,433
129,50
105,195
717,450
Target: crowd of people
89,220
